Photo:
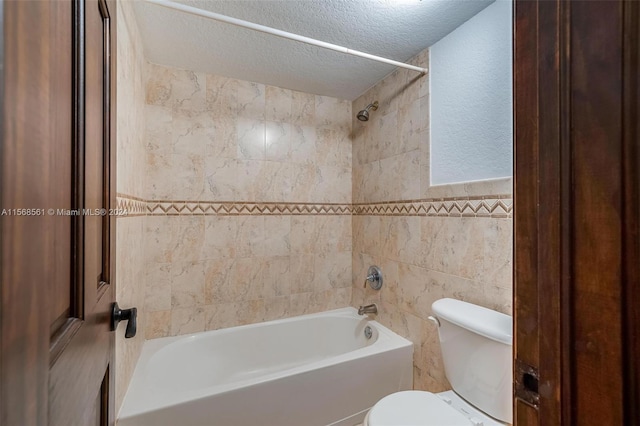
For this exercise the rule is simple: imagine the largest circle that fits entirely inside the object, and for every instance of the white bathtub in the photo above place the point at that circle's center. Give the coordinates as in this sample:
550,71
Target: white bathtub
317,369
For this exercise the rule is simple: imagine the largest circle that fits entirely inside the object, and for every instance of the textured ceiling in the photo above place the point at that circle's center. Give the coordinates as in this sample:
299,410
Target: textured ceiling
396,29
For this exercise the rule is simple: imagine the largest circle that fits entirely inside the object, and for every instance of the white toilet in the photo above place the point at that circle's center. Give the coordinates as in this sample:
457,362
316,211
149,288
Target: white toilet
476,349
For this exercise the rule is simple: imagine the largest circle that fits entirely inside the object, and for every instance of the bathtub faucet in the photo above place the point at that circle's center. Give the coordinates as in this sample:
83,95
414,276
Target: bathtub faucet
368,309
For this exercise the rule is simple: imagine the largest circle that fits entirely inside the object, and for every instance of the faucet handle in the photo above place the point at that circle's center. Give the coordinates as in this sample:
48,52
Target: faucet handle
374,276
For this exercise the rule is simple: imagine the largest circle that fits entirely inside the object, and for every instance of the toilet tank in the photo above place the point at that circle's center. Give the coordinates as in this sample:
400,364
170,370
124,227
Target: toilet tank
476,350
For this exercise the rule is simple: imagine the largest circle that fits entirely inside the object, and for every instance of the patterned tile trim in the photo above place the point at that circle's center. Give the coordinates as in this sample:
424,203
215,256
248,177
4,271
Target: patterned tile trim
130,206
452,207
189,208
240,208
496,206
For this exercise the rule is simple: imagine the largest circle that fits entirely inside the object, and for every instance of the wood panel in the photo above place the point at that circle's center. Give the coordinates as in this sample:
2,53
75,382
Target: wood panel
61,98
631,213
34,171
551,207
577,187
525,74
56,345
596,148
94,145
89,352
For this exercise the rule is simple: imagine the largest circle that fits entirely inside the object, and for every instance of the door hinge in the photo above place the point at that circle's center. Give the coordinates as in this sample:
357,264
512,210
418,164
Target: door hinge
526,384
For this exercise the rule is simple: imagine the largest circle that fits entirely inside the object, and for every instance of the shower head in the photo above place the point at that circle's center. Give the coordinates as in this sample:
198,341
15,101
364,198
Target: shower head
364,114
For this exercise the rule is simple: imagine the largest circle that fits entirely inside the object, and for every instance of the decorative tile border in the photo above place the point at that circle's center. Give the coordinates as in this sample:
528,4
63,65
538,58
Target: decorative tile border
190,208
130,206
241,208
493,206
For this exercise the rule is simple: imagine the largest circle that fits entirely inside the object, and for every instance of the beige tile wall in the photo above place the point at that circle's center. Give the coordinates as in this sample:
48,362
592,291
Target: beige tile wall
211,138
208,138
130,278
423,257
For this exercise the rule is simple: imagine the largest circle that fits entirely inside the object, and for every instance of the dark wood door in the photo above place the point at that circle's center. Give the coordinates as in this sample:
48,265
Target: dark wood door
577,213
58,121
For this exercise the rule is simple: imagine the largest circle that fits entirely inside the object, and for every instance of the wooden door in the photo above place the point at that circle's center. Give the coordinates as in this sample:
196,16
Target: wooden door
58,158
577,213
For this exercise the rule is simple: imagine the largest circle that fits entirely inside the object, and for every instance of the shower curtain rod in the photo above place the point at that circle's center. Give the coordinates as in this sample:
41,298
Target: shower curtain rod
280,33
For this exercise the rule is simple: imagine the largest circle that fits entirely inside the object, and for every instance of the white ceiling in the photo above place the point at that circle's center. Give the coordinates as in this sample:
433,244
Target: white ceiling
396,29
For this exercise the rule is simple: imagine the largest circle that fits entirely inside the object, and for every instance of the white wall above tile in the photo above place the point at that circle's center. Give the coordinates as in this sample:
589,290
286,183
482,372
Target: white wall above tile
471,99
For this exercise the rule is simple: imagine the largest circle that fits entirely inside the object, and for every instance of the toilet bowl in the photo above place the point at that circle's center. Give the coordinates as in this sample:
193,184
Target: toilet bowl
476,350
419,408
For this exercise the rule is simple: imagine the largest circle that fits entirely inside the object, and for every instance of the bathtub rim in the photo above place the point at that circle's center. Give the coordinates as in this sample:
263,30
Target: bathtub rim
387,341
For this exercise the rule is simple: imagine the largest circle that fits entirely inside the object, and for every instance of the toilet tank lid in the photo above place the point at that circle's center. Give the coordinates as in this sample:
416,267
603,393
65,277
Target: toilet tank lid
485,322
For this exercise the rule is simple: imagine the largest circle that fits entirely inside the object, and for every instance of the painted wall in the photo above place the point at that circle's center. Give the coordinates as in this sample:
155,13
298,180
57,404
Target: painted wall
471,99
430,241
130,278
248,196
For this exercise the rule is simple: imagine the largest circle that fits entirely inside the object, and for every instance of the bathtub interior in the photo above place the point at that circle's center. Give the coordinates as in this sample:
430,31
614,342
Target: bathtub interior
243,353
271,361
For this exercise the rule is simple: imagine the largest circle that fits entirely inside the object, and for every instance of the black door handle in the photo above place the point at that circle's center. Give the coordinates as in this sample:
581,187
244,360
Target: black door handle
129,315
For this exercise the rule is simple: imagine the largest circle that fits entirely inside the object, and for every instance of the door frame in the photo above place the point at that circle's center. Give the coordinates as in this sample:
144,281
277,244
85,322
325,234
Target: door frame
577,212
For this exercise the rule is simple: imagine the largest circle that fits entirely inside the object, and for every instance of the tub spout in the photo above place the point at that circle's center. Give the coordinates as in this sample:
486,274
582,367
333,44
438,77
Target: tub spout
368,309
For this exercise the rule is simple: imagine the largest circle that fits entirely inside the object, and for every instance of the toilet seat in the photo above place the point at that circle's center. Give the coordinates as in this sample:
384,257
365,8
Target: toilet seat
414,408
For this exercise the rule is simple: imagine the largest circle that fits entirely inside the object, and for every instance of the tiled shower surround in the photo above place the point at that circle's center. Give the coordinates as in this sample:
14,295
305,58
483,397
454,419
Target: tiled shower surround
231,167
261,203
430,242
